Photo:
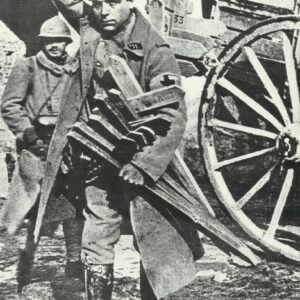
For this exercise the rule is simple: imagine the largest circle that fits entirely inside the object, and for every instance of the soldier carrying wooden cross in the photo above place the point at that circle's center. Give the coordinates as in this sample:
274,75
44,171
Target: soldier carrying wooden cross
116,27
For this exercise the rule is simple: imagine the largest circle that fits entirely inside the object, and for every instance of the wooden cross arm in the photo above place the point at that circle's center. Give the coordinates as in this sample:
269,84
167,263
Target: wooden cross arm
169,191
152,101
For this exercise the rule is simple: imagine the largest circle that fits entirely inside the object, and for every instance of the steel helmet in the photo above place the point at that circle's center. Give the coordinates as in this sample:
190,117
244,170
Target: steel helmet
55,28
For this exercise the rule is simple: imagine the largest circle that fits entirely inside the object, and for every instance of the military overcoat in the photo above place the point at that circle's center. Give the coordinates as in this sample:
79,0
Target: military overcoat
150,58
28,90
36,87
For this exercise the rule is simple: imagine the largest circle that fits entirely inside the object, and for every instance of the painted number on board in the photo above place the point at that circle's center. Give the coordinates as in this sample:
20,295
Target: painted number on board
178,19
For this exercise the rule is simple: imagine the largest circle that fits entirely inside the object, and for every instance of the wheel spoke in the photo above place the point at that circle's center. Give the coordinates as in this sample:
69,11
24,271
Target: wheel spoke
242,128
257,187
268,99
286,187
268,84
291,77
231,161
223,82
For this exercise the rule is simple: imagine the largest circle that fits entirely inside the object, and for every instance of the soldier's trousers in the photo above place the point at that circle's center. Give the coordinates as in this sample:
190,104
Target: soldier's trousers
72,229
105,202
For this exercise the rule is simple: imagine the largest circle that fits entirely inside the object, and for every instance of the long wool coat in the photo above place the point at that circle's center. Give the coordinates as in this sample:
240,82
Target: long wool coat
149,57
37,86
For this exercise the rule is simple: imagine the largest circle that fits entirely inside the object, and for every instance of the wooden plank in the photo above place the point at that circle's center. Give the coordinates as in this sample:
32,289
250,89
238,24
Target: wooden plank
286,4
264,47
94,148
93,136
268,48
158,124
257,7
238,20
206,41
110,111
183,204
211,226
186,48
118,99
169,4
122,75
229,35
180,12
103,126
154,109
188,180
153,99
204,27
174,185
156,12
187,68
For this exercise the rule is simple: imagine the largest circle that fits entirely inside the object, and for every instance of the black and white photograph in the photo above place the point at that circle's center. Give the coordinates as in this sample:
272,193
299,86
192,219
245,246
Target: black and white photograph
149,149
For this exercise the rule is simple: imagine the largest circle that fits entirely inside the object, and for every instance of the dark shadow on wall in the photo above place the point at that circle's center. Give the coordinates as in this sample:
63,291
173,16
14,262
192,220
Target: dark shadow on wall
24,18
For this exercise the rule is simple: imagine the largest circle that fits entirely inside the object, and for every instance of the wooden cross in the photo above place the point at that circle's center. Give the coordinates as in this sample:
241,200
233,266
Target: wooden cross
181,192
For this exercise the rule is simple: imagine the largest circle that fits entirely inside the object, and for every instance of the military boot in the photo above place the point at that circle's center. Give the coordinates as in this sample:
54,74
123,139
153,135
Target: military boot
99,282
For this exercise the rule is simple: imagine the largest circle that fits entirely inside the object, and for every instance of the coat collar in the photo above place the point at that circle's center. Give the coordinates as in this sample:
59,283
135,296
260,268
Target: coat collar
138,38
90,37
69,67
134,42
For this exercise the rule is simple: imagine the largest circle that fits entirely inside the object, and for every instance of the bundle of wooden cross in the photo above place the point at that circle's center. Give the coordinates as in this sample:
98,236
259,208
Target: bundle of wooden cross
129,109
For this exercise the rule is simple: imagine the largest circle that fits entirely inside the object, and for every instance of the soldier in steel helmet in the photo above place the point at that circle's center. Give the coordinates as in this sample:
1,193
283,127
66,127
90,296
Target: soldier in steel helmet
35,90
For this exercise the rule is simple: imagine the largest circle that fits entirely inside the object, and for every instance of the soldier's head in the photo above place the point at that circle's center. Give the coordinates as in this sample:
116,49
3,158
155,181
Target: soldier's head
55,35
112,15
70,8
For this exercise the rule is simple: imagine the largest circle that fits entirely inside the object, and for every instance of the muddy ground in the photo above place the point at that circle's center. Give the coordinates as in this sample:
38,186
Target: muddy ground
218,277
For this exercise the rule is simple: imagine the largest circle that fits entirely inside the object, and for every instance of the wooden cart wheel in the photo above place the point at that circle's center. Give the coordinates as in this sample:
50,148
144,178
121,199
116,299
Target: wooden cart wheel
249,124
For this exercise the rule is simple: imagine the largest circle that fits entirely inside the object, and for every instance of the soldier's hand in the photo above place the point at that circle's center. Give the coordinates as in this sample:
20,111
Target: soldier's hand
29,137
132,175
148,133
293,159
143,136
39,149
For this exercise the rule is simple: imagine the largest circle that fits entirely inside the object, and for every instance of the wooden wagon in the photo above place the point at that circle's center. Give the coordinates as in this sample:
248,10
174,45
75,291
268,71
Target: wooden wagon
249,115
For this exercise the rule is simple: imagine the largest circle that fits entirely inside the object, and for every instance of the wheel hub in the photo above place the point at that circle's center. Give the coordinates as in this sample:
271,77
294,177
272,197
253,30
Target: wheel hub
288,141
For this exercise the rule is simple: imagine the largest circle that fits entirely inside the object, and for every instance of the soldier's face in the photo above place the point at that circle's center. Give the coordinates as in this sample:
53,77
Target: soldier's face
55,47
71,8
112,14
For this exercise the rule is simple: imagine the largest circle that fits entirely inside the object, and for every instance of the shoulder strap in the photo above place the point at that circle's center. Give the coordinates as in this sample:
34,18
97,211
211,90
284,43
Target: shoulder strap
31,68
